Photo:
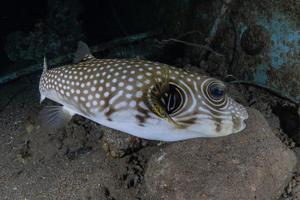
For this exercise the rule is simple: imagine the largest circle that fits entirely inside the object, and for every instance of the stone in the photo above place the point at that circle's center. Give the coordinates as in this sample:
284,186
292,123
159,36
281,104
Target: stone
118,144
297,152
255,39
296,192
252,164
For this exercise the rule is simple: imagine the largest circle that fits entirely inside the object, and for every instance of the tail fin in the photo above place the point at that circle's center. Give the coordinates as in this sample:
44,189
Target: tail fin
41,84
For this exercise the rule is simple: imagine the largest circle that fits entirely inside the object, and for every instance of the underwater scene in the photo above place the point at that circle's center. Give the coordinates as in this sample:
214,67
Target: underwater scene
150,100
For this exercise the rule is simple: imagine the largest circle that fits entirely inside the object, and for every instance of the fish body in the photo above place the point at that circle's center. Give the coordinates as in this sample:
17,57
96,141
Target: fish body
146,99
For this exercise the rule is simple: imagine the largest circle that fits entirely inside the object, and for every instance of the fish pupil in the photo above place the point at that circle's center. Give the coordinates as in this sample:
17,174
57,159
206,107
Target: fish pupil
217,92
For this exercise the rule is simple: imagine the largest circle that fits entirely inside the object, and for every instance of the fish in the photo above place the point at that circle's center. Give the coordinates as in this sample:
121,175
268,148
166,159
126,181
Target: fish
146,99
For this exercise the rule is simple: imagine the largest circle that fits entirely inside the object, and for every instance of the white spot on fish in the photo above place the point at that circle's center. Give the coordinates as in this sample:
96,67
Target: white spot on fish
102,103
140,76
82,98
121,105
106,94
132,104
121,84
95,103
129,87
139,94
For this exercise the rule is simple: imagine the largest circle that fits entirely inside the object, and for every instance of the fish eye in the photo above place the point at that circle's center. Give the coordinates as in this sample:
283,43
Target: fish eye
216,91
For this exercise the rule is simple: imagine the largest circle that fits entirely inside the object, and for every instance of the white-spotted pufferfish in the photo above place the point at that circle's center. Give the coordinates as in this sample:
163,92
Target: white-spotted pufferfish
145,99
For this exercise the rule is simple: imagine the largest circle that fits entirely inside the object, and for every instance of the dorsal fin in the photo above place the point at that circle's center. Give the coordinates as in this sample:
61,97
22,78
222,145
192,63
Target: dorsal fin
45,65
82,53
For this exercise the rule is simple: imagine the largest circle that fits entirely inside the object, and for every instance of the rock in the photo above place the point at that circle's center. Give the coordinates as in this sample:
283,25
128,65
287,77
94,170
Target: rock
119,144
296,192
134,173
297,152
289,121
253,164
236,93
255,39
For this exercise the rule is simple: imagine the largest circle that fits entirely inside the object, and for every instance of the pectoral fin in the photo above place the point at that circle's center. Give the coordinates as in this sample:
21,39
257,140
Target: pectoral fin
54,117
156,95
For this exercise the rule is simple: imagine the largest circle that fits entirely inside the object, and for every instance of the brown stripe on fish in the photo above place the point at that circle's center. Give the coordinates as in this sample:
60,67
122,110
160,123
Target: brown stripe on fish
144,114
218,124
188,97
237,122
107,107
188,122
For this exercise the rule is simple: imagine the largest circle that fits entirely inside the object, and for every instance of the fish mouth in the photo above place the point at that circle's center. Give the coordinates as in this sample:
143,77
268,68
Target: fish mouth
238,110
239,116
241,127
244,118
244,113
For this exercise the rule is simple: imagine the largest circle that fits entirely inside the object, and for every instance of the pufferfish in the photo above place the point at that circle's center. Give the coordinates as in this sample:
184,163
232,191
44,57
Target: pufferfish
146,99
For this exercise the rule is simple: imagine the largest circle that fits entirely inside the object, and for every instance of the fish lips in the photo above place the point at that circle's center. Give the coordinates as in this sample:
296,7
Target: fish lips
239,116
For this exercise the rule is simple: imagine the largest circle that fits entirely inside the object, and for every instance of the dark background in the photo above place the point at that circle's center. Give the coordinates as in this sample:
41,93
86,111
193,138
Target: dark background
37,23
245,40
